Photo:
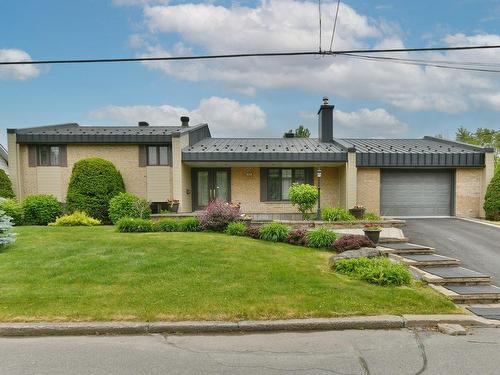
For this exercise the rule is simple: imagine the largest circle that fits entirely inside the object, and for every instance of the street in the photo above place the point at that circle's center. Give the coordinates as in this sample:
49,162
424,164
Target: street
476,245
396,352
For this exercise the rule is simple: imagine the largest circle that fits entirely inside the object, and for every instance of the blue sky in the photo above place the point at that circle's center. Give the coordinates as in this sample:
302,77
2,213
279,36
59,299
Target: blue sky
247,97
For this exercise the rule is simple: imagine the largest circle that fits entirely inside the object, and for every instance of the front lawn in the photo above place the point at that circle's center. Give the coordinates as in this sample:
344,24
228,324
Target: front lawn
95,273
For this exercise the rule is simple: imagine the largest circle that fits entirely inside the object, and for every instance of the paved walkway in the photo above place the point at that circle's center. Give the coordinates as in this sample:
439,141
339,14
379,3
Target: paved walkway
397,352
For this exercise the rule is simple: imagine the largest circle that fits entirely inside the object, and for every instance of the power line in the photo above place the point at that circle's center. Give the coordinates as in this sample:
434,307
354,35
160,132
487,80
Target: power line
245,55
335,24
319,14
424,64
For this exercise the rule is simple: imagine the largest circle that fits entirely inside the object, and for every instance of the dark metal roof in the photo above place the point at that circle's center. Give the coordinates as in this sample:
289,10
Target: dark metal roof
263,149
74,133
426,152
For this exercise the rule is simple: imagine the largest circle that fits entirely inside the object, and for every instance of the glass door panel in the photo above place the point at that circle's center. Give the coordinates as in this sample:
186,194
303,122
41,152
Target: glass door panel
222,185
203,188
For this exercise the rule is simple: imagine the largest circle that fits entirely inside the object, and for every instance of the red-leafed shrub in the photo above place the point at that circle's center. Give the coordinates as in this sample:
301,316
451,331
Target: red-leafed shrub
297,237
253,232
352,242
218,215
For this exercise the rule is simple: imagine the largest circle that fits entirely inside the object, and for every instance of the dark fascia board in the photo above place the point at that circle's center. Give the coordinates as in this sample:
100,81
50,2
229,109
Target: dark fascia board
90,138
264,156
420,160
460,144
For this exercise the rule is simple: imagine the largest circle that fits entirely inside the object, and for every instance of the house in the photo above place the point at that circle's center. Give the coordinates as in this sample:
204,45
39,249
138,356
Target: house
391,177
4,159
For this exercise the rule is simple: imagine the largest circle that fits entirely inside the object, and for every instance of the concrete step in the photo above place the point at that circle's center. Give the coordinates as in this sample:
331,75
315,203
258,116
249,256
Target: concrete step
402,248
428,260
388,240
489,312
467,294
451,275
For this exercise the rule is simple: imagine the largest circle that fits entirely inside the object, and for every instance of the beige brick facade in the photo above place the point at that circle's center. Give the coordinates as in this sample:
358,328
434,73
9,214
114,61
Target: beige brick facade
245,189
468,192
368,194
55,180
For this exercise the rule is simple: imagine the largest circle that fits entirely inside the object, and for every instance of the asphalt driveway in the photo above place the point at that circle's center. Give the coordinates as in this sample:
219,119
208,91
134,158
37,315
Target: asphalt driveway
476,245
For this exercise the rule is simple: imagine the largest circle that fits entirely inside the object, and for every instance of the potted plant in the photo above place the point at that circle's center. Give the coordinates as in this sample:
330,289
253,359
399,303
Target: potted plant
372,231
358,211
173,204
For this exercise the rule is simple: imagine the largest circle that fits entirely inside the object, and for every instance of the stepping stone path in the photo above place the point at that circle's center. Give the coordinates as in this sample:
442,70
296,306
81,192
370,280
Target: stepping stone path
444,274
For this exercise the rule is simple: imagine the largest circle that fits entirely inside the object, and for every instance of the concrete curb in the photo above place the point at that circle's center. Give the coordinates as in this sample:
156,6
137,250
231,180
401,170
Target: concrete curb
479,221
201,327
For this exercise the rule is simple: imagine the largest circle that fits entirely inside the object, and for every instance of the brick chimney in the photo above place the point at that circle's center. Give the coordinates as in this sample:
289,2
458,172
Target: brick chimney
185,121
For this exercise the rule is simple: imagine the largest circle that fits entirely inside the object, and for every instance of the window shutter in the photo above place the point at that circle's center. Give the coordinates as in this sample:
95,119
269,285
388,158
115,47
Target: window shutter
63,156
143,155
32,155
309,172
263,184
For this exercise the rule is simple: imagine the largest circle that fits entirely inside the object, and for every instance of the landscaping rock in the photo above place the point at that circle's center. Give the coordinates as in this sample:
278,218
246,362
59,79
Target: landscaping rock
451,329
366,252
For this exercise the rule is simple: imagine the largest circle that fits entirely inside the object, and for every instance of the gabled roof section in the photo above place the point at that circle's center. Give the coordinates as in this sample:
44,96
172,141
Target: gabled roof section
263,149
426,152
75,133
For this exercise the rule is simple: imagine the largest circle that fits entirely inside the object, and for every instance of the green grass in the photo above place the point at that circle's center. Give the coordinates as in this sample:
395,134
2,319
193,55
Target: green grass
95,273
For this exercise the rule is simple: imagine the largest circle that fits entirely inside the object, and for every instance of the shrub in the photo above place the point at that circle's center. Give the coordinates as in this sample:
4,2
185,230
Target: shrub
134,225
77,218
41,209
304,196
166,225
275,232
236,228
371,216
5,185
492,198
253,232
218,215
336,214
320,237
352,242
380,270
189,224
128,205
6,235
93,183
296,237
13,209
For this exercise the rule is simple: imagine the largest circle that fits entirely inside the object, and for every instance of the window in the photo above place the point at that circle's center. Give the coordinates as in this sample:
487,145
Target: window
48,156
277,181
158,207
158,155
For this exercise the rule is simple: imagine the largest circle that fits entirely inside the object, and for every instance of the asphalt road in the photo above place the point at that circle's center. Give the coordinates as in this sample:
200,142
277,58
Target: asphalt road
476,245
396,352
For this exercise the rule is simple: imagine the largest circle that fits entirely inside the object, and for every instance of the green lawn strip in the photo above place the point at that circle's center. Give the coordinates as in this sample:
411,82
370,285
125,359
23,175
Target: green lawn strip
95,273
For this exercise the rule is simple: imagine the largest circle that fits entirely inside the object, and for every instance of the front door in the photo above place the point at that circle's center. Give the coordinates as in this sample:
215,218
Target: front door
210,184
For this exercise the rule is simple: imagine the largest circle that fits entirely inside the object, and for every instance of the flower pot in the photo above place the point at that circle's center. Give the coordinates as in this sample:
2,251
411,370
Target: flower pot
373,235
174,207
358,213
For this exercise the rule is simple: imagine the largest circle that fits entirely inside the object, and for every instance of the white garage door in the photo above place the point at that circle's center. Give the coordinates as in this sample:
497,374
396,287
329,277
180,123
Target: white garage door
416,192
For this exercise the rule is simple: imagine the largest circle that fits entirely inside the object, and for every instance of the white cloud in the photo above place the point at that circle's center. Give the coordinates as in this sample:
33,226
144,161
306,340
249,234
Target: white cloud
286,25
16,72
226,117
366,123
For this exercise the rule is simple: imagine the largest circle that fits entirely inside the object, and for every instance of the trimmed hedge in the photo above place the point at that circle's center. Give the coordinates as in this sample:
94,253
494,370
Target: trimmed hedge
75,219
166,225
13,209
93,183
5,186
492,198
41,209
128,205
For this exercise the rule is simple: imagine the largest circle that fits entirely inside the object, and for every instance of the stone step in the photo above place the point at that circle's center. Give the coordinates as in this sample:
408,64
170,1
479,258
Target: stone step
388,240
451,275
405,248
428,260
482,293
488,312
